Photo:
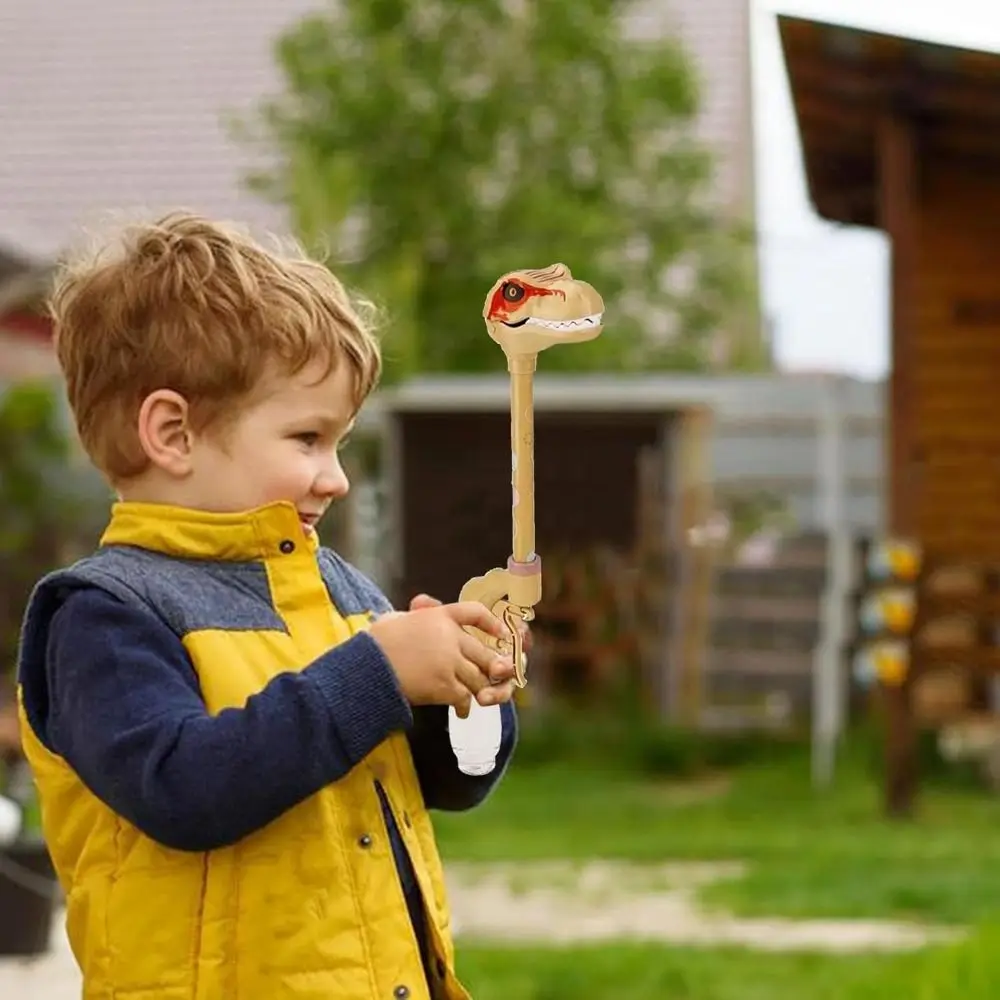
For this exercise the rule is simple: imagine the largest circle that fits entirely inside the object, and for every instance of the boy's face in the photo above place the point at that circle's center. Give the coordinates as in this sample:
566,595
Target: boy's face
282,447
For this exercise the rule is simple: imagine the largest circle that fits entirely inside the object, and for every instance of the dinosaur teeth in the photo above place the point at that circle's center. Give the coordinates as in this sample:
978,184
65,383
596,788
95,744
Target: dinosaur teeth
567,324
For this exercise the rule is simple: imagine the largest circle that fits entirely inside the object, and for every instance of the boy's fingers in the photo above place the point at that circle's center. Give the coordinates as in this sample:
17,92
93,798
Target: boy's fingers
469,673
424,601
501,670
462,704
491,668
476,615
496,694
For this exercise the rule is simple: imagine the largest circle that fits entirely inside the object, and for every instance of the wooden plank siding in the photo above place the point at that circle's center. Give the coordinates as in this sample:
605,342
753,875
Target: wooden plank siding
956,363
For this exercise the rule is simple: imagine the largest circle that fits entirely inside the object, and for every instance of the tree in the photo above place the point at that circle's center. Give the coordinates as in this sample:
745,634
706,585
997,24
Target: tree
50,507
431,146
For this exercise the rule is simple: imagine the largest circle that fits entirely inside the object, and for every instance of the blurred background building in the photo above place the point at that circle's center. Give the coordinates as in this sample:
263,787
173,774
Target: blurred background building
129,110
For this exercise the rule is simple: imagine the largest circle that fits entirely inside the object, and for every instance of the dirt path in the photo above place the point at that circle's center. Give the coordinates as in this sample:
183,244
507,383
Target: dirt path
599,901
562,904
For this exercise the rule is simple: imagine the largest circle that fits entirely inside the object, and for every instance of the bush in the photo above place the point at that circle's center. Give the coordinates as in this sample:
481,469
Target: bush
619,739
49,505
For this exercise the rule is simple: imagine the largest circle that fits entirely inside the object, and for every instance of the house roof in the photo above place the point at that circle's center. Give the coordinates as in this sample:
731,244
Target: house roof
120,106
844,79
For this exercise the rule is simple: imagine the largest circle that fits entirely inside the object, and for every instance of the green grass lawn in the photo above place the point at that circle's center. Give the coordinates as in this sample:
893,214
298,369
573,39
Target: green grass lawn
810,853
967,972
641,972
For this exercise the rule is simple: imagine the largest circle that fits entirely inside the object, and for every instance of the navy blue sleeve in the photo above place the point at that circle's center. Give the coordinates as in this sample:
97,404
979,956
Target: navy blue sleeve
125,711
443,785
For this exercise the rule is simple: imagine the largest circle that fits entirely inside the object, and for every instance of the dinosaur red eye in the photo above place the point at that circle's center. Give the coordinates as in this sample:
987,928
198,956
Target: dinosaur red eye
512,292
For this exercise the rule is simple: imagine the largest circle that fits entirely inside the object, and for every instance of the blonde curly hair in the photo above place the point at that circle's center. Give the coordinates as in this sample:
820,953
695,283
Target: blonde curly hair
199,307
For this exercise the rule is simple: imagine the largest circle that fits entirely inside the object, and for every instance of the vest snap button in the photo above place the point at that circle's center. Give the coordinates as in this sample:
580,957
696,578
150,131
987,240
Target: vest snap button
401,992
365,840
287,546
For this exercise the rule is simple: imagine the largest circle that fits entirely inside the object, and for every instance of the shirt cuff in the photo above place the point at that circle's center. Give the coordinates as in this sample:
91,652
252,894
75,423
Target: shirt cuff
362,695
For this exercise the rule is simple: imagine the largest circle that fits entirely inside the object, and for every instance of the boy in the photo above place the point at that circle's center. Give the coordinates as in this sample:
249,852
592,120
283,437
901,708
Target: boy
234,739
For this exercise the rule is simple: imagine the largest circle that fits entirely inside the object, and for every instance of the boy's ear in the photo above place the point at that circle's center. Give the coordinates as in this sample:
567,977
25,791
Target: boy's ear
165,431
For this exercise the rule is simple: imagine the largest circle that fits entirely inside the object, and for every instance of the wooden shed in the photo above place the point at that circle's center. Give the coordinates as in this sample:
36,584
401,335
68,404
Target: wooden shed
621,480
904,136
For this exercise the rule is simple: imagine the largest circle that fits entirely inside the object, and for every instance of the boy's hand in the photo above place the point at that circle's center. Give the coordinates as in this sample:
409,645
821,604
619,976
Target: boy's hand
502,679
436,661
426,601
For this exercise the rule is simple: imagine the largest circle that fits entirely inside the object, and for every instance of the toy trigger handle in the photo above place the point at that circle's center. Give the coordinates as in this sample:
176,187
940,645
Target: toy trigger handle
511,594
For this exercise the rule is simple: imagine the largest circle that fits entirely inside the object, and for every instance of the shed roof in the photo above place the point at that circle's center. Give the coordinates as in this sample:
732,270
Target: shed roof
844,79
735,397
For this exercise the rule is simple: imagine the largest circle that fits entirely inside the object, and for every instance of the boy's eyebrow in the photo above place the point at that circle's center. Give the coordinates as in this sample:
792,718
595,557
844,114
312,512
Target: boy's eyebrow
328,421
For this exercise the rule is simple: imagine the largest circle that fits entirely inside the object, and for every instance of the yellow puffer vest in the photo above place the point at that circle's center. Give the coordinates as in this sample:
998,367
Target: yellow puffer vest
311,906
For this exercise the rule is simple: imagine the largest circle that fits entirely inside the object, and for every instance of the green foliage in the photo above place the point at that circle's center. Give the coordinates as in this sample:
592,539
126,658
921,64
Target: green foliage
433,146
640,746
47,506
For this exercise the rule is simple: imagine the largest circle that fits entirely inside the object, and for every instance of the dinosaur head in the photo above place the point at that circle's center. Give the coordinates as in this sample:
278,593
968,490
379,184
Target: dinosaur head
527,311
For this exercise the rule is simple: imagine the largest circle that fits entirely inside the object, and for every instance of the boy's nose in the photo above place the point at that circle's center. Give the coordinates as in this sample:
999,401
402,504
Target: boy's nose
332,483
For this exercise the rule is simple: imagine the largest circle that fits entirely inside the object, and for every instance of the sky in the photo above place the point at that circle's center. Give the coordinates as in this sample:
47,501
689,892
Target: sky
825,288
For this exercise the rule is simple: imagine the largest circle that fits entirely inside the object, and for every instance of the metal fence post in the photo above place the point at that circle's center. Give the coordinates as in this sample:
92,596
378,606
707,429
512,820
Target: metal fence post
829,689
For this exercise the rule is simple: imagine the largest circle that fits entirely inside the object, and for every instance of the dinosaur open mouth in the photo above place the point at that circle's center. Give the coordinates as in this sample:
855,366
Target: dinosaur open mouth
565,325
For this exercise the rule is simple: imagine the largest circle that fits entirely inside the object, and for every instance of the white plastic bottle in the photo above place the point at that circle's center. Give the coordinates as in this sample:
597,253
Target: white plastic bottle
475,740
10,821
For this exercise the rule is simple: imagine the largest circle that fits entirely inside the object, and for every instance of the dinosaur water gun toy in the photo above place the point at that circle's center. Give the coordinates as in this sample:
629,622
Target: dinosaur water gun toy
525,312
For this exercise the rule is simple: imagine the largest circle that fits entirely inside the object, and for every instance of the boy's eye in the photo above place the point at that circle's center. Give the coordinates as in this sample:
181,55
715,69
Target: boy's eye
307,437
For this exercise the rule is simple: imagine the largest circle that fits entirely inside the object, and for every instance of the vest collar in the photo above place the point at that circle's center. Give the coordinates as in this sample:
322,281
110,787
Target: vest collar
270,531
